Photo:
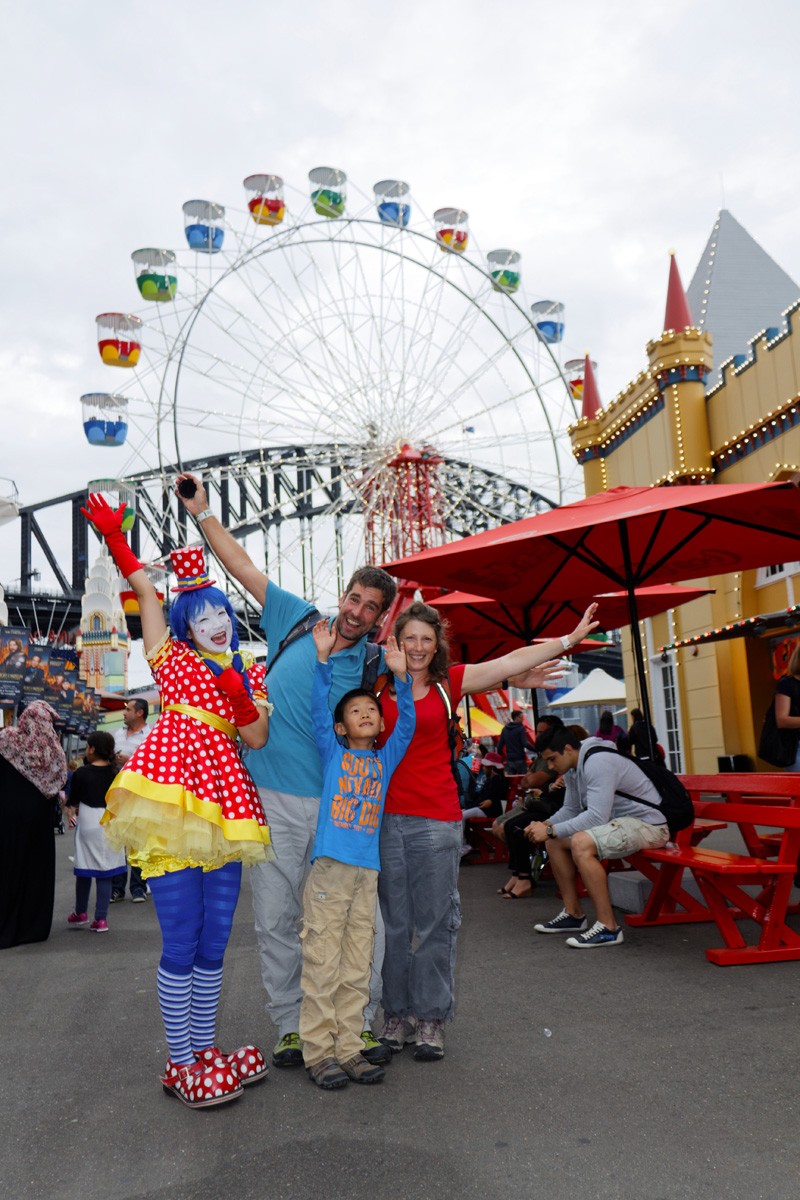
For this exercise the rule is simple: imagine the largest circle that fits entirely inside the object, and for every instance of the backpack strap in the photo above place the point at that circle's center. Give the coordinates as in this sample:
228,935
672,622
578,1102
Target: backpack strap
617,792
443,688
372,661
300,629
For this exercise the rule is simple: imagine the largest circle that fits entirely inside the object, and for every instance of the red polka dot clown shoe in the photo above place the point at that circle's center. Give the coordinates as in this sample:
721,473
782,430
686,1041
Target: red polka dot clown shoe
248,1062
200,1084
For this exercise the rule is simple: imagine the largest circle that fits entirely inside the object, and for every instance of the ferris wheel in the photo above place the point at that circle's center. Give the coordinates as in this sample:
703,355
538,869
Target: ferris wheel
355,380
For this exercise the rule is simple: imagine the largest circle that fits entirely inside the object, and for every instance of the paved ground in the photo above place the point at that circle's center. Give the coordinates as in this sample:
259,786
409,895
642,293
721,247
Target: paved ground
663,1077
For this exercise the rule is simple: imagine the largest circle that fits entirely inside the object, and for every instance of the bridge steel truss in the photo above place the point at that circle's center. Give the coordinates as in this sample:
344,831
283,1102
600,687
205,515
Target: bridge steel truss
250,492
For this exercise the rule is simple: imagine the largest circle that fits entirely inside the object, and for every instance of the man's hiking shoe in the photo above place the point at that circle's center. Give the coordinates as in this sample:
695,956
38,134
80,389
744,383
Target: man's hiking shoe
326,1074
288,1053
374,1051
398,1032
430,1041
598,935
563,923
360,1071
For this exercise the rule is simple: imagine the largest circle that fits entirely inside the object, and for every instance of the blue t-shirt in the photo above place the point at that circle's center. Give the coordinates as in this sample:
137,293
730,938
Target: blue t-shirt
355,781
289,762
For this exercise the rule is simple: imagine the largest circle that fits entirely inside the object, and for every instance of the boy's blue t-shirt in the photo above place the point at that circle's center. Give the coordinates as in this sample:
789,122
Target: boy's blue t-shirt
355,781
289,762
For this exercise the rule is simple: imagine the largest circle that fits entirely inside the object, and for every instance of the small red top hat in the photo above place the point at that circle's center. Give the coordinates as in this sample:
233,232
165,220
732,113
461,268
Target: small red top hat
189,565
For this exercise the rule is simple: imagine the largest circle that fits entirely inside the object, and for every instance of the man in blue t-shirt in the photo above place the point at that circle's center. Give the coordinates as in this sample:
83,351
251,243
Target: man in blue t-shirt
342,888
288,771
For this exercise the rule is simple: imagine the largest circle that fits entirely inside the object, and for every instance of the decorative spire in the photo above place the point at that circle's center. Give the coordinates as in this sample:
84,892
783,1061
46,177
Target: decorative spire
591,396
677,315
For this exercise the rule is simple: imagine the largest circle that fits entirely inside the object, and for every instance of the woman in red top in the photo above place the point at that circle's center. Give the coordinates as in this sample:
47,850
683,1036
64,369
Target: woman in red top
421,833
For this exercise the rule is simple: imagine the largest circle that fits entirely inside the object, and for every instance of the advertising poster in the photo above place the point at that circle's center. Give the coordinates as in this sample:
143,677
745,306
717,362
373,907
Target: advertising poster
71,681
13,657
35,677
56,690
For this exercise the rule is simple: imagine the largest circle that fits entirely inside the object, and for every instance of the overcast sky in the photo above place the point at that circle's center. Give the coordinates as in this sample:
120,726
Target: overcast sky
591,136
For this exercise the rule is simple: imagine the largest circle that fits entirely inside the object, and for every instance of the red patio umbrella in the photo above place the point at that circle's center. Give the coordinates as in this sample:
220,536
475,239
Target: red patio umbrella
624,538
486,623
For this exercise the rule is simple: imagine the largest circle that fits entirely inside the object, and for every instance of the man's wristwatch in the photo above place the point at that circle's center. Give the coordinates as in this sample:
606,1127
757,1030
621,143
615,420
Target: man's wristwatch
204,515
549,830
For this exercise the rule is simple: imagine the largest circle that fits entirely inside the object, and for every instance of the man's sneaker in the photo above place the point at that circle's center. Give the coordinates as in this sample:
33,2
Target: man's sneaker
374,1051
139,898
563,923
288,1052
98,927
326,1074
360,1071
598,935
78,920
430,1041
398,1032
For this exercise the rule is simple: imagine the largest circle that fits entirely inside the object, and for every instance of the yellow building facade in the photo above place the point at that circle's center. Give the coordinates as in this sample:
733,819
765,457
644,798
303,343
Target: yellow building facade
679,422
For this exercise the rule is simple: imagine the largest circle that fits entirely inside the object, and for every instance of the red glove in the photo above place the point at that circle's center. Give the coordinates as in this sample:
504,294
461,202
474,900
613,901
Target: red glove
108,521
231,684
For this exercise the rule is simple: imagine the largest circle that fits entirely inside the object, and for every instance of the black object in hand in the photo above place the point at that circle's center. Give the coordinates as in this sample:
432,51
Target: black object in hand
187,488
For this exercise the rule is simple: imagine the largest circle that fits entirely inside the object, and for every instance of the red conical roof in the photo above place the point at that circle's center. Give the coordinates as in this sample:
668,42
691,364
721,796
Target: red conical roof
677,315
591,396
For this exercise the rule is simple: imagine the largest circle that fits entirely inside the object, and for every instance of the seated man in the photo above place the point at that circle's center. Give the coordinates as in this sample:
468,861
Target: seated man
610,810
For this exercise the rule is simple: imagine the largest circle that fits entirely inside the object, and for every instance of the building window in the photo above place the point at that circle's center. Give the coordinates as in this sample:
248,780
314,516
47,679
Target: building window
765,575
670,732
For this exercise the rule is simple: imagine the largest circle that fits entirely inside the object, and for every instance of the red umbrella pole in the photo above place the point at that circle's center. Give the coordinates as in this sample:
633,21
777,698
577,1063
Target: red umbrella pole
638,654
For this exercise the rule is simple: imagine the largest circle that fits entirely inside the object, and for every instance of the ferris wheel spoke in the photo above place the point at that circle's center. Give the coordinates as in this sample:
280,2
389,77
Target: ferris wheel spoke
308,316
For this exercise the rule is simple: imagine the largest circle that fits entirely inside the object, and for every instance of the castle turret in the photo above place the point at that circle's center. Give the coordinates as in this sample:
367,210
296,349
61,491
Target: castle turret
680,360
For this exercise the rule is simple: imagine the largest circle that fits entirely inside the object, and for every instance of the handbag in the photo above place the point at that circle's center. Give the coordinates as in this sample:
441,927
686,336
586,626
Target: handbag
778,746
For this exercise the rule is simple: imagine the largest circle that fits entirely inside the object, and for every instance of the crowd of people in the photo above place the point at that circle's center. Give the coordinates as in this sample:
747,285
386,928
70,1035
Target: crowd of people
346,812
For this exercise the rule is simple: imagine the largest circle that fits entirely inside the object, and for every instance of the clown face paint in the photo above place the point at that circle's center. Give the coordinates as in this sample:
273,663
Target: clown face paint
212,629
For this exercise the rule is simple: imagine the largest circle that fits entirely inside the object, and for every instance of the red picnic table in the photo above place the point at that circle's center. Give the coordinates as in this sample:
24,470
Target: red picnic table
770,865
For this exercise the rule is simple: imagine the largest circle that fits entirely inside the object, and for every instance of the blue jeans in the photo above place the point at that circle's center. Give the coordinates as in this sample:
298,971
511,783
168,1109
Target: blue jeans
418,889
138,885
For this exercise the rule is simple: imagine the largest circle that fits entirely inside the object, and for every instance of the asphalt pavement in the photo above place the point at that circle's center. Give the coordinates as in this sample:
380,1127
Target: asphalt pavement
620,1073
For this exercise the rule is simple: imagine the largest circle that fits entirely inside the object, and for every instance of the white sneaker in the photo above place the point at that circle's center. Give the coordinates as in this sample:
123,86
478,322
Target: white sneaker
598,935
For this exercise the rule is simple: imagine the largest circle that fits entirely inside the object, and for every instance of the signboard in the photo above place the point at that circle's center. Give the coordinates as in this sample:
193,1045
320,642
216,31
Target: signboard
13,658
35,677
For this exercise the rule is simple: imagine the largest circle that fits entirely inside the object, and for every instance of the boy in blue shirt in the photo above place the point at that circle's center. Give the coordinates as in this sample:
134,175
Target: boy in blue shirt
341,892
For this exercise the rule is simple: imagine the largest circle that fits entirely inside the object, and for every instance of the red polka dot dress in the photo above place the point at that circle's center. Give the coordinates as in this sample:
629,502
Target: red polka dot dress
184,798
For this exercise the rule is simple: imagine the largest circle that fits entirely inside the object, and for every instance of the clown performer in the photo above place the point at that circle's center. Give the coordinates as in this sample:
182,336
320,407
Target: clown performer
188,811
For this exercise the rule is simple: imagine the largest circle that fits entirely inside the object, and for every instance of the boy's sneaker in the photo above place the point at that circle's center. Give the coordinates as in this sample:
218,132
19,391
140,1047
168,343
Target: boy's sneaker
360,1071
116,897
374,1051
288,1052
78,920
326,1074
430,1041
139,898
563,923
99,927
598,935
398,1032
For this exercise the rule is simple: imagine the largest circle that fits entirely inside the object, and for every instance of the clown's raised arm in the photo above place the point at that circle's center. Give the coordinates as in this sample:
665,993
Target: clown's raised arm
108,522
225,548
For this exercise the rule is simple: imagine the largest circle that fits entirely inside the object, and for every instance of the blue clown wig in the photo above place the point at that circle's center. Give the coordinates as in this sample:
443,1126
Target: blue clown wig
188,605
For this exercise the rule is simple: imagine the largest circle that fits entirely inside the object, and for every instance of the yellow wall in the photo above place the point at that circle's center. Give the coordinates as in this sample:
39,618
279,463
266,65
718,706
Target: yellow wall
725,686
